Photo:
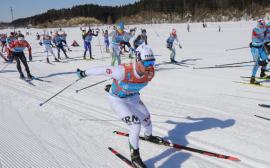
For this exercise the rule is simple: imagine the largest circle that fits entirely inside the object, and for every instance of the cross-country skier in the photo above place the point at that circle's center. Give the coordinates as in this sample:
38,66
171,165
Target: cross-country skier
124,97
169,41
16,50
258,54
3,40
87,43
46,41
267,40
117,36
11,38
219,28
188,27
106,40
63,39
126,39
58,43
140,39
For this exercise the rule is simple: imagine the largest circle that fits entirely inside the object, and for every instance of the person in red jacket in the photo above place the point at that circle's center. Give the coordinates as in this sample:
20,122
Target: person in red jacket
15,49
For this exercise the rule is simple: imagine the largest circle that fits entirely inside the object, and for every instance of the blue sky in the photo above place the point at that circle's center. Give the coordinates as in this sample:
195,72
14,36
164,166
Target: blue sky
27,8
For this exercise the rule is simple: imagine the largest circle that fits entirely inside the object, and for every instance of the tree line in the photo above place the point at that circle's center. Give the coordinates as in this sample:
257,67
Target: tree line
110,14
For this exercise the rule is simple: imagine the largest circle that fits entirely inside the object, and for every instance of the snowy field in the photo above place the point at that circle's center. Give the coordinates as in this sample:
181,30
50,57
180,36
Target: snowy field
199,108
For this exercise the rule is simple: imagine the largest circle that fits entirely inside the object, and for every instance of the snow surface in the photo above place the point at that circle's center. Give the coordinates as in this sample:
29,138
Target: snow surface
199,108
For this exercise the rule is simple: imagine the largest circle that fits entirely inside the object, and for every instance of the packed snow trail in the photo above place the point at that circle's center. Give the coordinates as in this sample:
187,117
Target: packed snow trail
198,108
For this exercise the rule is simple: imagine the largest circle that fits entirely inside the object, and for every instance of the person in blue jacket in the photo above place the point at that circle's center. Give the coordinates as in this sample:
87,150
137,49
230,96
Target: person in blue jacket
87,43
257,51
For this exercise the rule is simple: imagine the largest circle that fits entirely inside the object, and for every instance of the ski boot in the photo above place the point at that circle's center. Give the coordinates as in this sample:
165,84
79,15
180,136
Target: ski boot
30,76
59,56
121,53
48,60
84,58
154,139
136,160
69,49
56,60
253,81
263,75
66,56
22,76
6,60
91,58
173,61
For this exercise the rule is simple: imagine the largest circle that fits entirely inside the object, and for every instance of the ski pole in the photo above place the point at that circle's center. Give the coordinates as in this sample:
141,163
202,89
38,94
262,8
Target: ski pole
159,36
235,63
236,48
262,117
93,85
224,67
4,67
59,92
100,47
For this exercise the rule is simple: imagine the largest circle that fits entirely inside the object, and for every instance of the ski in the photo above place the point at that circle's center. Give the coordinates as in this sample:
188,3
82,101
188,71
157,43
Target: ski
121,157
264,105
252,84
262,117
60,61
255,77
186,148
176,63
28,81
49,63
41,80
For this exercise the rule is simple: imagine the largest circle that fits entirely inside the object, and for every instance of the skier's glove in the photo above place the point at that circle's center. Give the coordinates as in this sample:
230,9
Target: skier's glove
40,43
30,57
9,59
81,74
107,87
180,46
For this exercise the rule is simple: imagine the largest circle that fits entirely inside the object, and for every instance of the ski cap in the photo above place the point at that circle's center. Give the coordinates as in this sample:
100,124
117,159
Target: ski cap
261,22
144,52
144,31
121,25
174,31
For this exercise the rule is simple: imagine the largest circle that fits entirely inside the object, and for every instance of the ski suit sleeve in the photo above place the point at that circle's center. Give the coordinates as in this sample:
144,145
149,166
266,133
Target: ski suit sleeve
177,40
116,72
111,33
166,40
10,46
146,41
95,34
29,48
40,39
258,31
137,39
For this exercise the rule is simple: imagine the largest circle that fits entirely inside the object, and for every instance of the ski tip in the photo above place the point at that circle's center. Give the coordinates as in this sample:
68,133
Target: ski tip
109,148
40,104
233,158
115,132
77,91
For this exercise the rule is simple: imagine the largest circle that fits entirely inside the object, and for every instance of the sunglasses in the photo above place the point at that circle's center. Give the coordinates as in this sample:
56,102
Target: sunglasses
148,63
144,32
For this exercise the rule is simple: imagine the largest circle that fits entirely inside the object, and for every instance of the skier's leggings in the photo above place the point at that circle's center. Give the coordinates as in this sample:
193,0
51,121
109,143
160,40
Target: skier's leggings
60,46
87,45
17,56
135,114
257,54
